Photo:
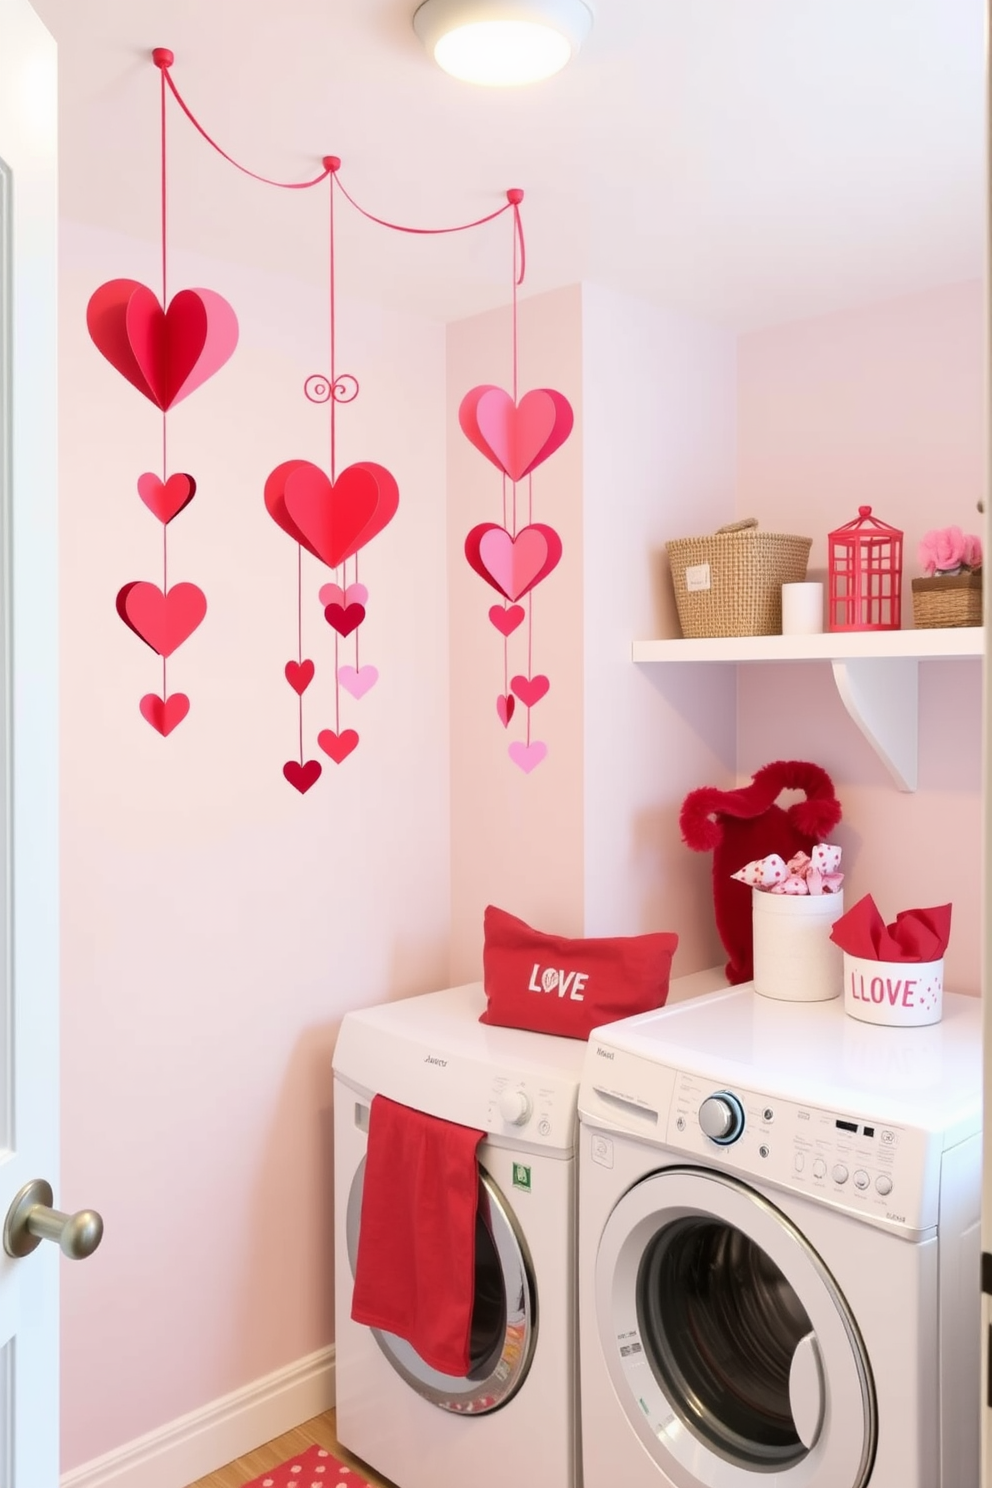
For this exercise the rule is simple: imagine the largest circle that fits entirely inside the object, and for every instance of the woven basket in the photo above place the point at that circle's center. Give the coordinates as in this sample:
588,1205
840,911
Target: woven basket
946,601
730,582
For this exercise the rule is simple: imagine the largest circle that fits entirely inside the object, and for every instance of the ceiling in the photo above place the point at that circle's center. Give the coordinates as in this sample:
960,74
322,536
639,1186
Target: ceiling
752,161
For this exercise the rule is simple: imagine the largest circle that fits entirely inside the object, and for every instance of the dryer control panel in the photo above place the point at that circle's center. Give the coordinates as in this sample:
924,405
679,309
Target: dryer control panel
887,1174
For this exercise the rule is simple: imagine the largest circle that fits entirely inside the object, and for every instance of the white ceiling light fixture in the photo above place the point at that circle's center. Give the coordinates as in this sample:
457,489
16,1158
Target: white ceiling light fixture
502,43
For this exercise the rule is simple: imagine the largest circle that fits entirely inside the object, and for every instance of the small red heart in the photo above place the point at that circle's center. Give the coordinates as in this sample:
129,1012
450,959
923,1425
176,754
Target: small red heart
530,690
344,621
505,707
299,675
164,715
338,746
302,776
166,499
506,620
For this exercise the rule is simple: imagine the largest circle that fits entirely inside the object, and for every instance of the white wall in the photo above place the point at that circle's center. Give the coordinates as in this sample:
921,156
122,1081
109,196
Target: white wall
216,924
659,458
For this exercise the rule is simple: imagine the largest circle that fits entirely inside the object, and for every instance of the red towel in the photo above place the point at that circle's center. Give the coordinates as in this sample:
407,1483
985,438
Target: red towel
415,1272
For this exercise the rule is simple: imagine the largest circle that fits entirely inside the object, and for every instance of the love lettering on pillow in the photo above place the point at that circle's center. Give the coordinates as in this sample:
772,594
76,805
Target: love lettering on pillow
555,984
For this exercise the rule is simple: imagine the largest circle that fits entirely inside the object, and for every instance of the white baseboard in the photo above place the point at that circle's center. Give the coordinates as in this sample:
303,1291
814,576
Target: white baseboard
177,1454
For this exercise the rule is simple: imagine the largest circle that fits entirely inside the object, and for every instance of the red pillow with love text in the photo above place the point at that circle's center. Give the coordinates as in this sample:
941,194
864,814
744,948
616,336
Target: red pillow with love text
551,984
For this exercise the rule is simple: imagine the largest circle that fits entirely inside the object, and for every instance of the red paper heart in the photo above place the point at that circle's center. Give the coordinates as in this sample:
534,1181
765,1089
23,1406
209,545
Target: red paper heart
299,675
513,565
166,355
162,621
505,620
505,708
516,437
166,499
331,521
302,776
530,690
166,714
344,621
338,746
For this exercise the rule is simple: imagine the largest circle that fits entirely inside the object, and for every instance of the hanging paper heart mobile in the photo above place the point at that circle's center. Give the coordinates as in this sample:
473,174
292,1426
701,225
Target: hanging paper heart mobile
517,437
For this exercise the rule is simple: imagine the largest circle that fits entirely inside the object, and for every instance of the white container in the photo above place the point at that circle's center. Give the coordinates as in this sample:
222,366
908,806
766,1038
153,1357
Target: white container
794,958
802,609
900,994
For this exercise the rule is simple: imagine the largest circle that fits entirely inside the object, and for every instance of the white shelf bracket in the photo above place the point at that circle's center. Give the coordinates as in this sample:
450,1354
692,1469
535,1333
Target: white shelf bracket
882,695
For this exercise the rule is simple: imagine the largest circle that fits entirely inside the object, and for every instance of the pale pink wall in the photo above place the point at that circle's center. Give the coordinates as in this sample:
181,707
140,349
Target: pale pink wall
516,840
659,458
216,925
882,406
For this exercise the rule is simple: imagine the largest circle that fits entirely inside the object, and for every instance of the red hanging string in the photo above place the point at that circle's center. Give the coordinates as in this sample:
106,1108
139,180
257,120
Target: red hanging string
163,59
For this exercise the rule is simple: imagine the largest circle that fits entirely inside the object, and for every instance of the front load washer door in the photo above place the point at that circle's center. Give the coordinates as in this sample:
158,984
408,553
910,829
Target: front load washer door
733,1353
504,1316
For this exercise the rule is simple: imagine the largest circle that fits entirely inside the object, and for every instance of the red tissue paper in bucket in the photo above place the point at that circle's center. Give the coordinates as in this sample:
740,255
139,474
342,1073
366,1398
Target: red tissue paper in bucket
914,935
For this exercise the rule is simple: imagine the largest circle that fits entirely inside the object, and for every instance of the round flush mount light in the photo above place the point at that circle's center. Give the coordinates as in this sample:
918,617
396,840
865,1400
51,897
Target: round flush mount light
502,43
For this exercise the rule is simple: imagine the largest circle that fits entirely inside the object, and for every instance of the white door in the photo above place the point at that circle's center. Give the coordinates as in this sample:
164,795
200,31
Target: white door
29,793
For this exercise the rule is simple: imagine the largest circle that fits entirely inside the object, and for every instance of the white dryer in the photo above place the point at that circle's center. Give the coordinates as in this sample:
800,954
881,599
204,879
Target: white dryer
516,1410
779,1248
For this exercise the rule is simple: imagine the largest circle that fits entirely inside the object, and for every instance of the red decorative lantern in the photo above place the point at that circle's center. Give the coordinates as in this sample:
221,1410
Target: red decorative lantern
865,575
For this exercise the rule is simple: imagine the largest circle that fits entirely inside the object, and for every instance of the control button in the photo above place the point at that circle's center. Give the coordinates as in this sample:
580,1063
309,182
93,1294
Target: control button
721,1118
819,1168
544,1126
861,1179
515,1107
887,1138
680,1123
799,1162
763,1151
883,1184
839,1173
768,1114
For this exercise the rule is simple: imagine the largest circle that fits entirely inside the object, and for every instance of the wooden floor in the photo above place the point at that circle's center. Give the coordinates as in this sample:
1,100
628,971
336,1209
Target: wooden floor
318,1432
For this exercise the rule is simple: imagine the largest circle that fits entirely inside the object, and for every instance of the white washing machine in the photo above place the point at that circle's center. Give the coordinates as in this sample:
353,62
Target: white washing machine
516,1410
779,1248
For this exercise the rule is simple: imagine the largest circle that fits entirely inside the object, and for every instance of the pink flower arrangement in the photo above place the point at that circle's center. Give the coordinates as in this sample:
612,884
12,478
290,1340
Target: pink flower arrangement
948,550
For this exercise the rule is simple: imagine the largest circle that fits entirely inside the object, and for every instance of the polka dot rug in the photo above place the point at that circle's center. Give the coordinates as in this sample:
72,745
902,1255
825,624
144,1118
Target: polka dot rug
314,1468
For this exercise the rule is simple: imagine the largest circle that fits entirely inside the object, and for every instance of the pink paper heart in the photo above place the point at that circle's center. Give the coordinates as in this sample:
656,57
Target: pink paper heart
527,756
515,437
302,776
299,675
359,682
504,708
166,355
166,499
530,690
338,746
506,620
334,594
166,714
513,565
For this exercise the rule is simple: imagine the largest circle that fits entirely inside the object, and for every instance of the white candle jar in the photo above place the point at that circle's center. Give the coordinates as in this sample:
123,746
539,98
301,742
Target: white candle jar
794,958
899,994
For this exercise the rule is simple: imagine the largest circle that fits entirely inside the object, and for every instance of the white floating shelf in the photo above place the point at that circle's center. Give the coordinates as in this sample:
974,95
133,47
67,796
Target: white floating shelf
876,673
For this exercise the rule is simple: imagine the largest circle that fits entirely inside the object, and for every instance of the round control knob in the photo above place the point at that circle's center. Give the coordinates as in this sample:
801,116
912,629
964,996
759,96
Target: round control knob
799,1162
819,1168
721,1118
883,1185
839,1174
861,1179
515,1107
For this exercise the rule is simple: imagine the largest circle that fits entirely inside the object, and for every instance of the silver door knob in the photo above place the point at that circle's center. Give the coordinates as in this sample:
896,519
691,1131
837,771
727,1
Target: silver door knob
31,1219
